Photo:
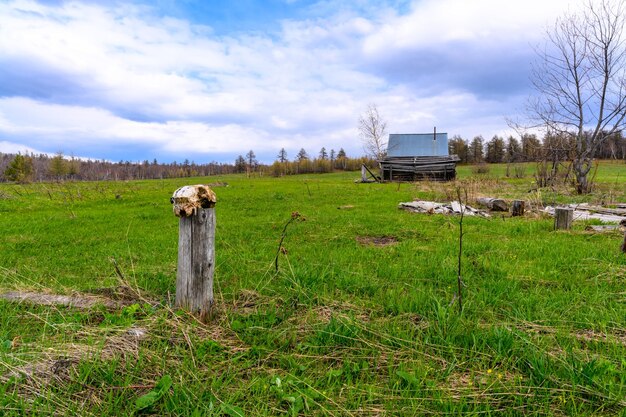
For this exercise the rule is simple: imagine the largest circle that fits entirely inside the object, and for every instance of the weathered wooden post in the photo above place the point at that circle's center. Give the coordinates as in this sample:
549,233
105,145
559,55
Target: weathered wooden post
363,173
517,208
622,228
563,218
194,204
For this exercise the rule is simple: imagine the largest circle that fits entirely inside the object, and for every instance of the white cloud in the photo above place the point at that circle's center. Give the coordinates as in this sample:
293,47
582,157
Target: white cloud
84,75
435,23
10,147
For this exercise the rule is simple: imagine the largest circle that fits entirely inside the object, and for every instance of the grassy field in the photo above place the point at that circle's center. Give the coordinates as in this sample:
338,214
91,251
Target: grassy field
359,320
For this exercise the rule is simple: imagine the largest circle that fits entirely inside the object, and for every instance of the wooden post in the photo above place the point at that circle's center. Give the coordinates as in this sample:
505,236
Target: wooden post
517,208
196,249
563,218
622,227
363,173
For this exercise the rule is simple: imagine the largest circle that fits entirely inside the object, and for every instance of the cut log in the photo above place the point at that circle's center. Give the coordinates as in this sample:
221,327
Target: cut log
563,218
517,208
587,215
495,204
604,228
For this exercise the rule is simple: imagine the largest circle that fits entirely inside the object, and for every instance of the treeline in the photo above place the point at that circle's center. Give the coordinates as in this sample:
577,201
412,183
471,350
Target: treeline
42,167
529,148
325,161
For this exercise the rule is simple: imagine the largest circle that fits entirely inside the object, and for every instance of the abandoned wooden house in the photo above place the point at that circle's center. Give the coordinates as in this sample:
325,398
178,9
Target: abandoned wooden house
418,156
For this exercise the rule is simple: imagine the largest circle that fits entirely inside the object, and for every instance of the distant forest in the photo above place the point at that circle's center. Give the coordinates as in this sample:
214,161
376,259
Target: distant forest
42,167
529,148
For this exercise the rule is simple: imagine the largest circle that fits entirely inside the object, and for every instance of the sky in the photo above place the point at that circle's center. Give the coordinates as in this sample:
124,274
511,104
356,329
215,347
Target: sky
210,80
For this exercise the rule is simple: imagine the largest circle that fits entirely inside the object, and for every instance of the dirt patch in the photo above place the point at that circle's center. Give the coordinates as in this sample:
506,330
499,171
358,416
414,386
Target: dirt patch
379,241
218,184
81,301
121,293
246,302
325,313
594,336
346,207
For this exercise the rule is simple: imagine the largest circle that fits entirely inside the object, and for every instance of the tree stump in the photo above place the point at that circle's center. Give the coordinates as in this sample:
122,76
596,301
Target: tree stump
196,249
563,218
517,208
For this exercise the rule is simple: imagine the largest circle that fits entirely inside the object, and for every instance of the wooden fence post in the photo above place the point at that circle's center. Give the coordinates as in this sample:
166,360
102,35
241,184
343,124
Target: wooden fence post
195,205
563,218
517,208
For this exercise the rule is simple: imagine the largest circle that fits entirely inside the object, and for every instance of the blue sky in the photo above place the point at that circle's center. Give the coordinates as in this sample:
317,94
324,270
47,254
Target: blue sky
209,80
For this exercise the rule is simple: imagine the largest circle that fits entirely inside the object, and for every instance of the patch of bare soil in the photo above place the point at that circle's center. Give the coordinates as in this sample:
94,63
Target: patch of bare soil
594,336
325,313
379,241
247,301
120,293
81,301
218,184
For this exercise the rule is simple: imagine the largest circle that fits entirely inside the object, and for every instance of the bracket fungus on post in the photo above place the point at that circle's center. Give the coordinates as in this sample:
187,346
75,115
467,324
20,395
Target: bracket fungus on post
188,199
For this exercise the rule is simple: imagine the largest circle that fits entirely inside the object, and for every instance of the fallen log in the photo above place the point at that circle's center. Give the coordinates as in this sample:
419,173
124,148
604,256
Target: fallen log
494,204
603,228
587,215
431,207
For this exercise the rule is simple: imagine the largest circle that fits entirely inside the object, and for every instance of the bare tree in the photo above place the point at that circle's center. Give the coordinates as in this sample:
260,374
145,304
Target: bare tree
580,80
372,131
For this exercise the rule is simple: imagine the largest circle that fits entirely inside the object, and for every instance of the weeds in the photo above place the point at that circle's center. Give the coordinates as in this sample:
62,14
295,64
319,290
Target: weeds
341,329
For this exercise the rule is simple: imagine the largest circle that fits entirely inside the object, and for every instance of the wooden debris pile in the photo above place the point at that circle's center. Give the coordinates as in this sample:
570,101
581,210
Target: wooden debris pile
415,168
585,211
451,208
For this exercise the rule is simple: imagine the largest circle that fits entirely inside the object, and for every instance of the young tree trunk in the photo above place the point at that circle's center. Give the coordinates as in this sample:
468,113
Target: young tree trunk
582,166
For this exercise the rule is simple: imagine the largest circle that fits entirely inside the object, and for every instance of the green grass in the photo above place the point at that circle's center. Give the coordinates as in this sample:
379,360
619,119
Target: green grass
342,329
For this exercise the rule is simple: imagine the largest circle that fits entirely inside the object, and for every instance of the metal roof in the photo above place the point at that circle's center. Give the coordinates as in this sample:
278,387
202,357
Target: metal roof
417,144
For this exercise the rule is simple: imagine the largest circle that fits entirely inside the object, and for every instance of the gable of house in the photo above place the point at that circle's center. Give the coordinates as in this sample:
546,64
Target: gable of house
417,144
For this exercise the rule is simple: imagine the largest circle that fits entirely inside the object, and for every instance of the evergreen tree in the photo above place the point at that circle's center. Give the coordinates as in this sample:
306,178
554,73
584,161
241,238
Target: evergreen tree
20,169
251,158
58,166
282,156
495,150
240,164
323,153
476,152
531,147
513,150
458,146
302,155
341,159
